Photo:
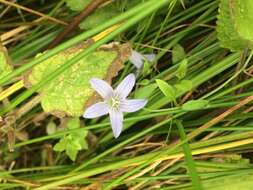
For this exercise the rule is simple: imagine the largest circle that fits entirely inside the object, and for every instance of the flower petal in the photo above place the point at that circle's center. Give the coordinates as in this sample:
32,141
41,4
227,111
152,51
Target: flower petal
150,57
96,110
102,87
116,119
137,59
132,105
126,86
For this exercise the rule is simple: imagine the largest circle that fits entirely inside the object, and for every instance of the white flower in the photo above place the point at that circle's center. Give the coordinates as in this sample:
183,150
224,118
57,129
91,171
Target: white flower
137,58
115,102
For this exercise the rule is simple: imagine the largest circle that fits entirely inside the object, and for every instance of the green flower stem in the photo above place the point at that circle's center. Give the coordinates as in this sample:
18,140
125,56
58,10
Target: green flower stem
161,112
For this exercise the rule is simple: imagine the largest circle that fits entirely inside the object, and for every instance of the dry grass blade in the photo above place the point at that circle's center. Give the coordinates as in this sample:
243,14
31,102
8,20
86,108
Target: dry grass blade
76,21
33,12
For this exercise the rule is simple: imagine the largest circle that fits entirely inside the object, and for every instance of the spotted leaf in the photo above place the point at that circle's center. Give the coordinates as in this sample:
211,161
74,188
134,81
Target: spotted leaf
68,94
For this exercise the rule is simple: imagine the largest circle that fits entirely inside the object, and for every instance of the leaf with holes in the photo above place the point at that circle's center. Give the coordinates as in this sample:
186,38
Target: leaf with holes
70,92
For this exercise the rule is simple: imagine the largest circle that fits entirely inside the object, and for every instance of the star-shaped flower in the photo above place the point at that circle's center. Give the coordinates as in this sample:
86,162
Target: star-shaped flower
115,102
137,58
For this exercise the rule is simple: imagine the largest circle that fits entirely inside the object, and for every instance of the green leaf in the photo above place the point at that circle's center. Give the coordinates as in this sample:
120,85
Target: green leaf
166,89
69,93
244,19
144,82
73,123
83,143
77,5
234,25
146,91
231,182
184,86
74,142
146,68
61,145
240,180
195,105
182,69
82,140
178,53
5,66
71,152
100,16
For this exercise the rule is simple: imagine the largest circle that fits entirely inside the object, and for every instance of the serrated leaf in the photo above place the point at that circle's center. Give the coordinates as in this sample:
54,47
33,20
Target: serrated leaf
5,66
101,15
184,86
69,93
226,32
182,69
195,105
234,24
178,53
244,19
166,89
77,5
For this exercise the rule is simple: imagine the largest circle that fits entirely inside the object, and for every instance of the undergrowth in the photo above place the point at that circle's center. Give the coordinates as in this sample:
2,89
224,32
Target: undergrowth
195,132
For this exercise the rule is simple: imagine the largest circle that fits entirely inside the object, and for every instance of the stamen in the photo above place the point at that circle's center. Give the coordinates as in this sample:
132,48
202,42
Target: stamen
114,102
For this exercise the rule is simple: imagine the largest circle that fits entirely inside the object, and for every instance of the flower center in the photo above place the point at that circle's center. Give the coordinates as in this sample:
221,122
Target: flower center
114,102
